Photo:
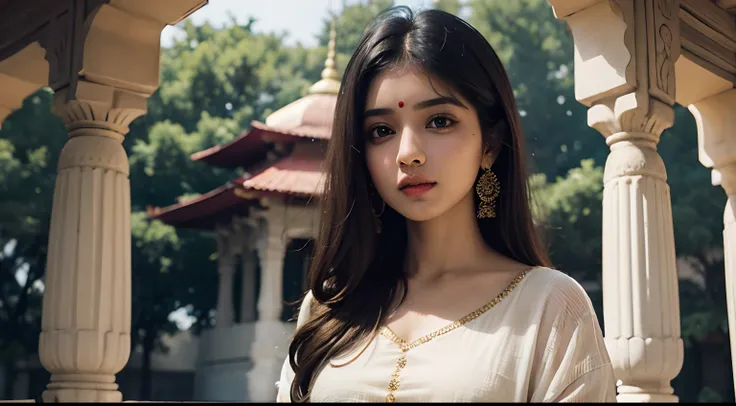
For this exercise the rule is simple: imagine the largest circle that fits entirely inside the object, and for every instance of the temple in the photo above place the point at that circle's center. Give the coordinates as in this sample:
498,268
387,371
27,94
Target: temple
264,222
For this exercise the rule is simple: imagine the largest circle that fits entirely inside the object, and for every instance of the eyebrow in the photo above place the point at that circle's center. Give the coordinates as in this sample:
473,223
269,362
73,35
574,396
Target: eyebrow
419,106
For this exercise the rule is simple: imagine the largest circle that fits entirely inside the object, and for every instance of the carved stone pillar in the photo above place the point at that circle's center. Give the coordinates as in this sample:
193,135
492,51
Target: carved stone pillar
624,71
247,302
85,338
717,149
271,252
271,339
229,241
226,272
103,64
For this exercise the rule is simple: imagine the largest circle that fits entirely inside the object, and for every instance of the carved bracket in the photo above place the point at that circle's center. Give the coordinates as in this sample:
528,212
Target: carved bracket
624,49
716,123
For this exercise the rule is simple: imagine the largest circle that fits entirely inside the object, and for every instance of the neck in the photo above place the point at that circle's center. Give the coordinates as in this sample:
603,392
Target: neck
446,245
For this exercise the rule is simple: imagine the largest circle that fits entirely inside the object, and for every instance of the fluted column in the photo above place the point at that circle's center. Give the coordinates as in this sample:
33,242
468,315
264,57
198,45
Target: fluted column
248,293
271,340
716,123
103,64
640,287
226,271
729,249
85,338
271,251
624,71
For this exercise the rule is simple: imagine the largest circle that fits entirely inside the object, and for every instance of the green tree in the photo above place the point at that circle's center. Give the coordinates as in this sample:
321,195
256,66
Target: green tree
214,82
537,51
571,211
30,142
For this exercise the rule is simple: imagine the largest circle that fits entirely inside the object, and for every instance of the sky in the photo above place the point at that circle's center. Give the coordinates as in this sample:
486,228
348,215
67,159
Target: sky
302,19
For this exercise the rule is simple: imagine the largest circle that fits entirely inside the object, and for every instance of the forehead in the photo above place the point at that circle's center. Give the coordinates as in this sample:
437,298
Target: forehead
410,86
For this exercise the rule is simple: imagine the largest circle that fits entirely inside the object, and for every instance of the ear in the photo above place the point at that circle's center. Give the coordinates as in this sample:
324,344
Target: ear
490,154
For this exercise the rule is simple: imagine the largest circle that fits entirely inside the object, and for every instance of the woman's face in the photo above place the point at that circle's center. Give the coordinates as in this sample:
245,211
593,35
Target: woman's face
423,146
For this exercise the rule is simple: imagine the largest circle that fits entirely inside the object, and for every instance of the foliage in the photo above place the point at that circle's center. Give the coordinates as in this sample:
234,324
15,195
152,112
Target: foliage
537,51
571,211
30,142
215,81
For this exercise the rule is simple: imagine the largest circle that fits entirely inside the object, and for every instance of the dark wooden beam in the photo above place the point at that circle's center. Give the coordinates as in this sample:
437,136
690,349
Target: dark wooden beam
708,36
23,22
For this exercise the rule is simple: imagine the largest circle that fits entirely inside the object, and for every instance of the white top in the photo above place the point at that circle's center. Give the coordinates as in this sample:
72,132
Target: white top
542,343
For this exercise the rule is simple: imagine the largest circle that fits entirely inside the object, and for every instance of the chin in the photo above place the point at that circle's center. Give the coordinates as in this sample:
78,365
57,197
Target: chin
431,207
419,212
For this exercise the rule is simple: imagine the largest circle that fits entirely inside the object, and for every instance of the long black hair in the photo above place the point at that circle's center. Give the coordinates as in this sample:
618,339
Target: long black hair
357,273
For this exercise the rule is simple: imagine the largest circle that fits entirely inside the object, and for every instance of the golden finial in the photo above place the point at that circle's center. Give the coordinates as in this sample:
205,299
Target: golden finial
330,83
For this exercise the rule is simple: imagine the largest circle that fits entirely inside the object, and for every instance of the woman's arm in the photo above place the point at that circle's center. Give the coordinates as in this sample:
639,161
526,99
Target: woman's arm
571,362
287,374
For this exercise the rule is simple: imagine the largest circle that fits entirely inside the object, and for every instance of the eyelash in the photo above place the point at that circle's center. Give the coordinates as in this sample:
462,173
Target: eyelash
451,122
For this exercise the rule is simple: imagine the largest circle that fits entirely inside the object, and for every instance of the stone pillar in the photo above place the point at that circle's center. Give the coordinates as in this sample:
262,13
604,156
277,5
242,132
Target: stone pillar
247,302
271,339
103,60
717,149
226,271
271,252
624,71
85,338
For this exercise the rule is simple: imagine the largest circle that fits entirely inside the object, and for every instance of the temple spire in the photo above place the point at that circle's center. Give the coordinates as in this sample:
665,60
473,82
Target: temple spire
330,82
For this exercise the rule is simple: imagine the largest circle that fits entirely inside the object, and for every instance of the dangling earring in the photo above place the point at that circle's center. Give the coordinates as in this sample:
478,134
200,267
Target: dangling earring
377,216
487,189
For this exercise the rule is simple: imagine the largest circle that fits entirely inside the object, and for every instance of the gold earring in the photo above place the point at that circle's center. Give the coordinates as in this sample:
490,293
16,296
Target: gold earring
377,216
488,189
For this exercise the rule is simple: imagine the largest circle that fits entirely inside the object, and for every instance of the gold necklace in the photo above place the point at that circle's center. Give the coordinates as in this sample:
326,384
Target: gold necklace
394,383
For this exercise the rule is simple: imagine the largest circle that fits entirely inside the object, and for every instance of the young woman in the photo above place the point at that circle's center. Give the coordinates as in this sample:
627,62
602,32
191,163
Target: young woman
429,282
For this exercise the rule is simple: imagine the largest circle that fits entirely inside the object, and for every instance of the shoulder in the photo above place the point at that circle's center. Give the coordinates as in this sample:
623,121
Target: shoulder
559,292
305,309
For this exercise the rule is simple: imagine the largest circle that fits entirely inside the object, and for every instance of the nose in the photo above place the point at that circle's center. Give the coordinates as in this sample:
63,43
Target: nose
411,152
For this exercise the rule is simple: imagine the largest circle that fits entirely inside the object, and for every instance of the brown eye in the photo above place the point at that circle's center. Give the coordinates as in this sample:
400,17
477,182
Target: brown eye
441,122
381,131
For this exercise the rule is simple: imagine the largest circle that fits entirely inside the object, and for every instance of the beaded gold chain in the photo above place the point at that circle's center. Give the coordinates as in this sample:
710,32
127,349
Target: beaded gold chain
405,346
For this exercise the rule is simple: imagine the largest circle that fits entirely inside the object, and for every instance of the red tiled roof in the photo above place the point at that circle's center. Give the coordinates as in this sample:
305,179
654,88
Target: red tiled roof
292,176
251,146
204,211
303,131
299,175
309,117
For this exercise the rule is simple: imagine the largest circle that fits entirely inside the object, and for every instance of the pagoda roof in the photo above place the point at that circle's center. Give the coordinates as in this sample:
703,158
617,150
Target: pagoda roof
298,175
203,212
309,117
251,146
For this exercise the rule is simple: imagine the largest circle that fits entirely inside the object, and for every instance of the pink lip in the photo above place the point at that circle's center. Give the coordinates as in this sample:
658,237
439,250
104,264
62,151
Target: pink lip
417,190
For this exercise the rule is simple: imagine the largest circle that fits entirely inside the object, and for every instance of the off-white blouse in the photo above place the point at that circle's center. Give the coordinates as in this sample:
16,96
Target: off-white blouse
541,343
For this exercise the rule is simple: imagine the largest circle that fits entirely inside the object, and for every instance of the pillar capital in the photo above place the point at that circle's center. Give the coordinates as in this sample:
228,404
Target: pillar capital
96,109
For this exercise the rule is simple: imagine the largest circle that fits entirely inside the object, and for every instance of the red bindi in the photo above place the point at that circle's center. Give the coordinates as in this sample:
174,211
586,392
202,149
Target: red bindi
401,104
